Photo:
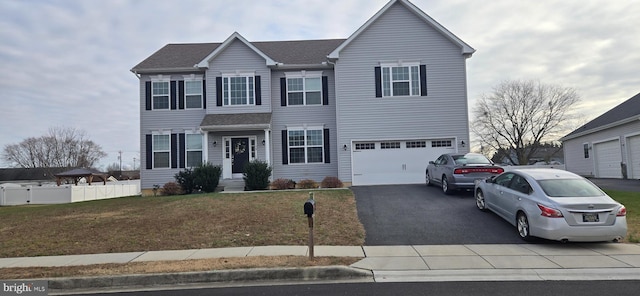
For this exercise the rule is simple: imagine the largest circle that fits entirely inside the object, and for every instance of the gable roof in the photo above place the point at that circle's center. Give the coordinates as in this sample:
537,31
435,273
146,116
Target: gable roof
204,63
185,57
626,112
467,50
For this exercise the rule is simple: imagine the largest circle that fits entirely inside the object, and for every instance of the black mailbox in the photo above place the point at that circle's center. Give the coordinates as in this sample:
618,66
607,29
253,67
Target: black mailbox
309,207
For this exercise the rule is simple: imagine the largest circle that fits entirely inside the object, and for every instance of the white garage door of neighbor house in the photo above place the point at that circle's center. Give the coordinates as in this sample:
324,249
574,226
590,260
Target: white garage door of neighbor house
608,158
395,162
633,148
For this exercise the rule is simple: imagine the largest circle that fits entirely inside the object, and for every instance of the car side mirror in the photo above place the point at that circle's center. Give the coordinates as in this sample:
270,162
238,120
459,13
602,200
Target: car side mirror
491,179
431,162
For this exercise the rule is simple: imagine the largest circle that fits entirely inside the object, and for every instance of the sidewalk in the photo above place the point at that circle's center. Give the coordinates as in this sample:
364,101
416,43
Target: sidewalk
589,261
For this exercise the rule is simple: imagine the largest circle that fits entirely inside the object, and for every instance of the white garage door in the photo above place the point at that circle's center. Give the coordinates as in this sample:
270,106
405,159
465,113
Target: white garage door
608,159
395,162
633,148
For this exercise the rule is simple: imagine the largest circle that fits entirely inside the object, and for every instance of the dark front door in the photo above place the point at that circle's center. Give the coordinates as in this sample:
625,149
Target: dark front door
240,147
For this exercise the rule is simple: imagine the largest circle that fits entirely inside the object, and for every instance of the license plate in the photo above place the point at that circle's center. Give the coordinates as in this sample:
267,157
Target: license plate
590,217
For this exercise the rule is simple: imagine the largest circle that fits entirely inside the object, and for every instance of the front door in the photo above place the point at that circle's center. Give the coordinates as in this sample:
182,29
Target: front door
240,150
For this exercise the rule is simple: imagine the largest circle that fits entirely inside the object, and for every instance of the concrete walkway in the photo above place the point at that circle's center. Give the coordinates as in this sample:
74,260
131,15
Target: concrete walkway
416,263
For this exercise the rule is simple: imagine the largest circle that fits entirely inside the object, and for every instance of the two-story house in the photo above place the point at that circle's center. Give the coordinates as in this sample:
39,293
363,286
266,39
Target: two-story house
370,109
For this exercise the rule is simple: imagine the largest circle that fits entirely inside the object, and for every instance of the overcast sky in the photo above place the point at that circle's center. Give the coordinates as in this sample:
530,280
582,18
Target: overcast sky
66,63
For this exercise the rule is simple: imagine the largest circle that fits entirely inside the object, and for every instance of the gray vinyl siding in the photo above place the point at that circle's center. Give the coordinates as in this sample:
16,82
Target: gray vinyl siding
297,116
238,57
400,35
170,121
574,152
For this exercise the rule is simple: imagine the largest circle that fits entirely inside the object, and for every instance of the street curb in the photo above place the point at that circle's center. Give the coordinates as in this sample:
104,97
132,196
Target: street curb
217,276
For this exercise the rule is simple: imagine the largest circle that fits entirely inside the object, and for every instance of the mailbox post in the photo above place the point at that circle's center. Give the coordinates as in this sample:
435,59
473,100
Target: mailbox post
309,209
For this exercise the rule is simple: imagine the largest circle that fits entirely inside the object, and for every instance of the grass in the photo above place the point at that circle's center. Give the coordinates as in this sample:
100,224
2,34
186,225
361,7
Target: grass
631,200
178,222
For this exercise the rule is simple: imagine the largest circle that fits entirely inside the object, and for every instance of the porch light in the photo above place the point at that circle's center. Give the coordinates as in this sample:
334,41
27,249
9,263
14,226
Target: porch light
462,143
215,143
344,147
263,142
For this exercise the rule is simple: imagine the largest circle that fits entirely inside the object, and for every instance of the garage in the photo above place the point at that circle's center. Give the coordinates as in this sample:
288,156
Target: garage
608,159
633,150
396,161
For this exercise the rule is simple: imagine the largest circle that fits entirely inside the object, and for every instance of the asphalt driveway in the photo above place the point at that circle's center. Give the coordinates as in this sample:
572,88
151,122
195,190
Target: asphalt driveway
421,215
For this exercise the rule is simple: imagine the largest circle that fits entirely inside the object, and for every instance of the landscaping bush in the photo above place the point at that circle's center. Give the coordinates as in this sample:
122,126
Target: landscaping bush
331,182
187,181
207,177
282,184
307,184
171,188
256,175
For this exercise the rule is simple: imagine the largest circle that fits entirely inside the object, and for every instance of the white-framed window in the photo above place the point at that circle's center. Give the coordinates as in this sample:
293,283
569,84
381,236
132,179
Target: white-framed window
400,80
193,149
193,93
390,145
416,144
441,143
160,94
585,148
238,90
306,145
304,88
161,151
365,146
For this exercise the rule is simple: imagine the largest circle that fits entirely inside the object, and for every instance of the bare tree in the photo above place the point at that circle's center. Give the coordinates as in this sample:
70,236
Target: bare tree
519,115
61,147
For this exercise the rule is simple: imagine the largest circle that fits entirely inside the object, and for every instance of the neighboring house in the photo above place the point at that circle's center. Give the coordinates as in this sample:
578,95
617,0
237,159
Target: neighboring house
370,109
29,175
545,154
608,146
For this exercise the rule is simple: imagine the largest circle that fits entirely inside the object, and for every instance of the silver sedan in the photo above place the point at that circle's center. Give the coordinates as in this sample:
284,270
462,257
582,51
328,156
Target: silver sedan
553,204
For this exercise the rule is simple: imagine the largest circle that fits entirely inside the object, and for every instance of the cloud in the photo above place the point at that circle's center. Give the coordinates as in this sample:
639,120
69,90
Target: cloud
66,63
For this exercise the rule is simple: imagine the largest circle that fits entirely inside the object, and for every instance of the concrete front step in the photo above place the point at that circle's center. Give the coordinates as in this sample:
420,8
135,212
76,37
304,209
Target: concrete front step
232,185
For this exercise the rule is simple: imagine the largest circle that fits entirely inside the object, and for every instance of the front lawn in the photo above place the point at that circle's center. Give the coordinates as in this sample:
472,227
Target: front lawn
631,200
178,222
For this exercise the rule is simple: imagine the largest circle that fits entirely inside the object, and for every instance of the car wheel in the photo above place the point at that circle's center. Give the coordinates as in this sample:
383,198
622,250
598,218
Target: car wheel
428,179
523,226
445,185
480,203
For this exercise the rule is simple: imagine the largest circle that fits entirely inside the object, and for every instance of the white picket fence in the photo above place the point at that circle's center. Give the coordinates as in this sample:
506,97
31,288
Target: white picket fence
19,195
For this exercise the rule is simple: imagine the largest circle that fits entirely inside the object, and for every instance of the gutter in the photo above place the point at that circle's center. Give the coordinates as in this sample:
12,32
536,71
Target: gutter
601,128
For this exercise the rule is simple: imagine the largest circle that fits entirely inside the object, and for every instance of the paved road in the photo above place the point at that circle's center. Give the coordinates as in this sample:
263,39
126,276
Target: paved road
421,215
618,184
537,288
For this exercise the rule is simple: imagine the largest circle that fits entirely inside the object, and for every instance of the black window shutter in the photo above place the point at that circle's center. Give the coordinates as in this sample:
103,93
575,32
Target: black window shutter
204,94
174,151
258,90
423,80
218,91
327,147
283,91
147,94
181,94
182,148
325,90
378,75
173,95
285,147
149,148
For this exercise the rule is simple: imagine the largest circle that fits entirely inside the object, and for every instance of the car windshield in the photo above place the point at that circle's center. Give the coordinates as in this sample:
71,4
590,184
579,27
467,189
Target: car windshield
569,188
470,159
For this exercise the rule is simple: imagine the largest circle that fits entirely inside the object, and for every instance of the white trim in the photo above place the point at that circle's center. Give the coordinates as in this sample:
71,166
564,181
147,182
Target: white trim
205,62
227,163
153,151
201,93
306,146
251,100
466,50
399,63
303,74
602,127
605,140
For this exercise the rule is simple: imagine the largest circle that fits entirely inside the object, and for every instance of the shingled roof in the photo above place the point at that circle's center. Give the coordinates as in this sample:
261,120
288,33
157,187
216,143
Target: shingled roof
183,57
628,110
